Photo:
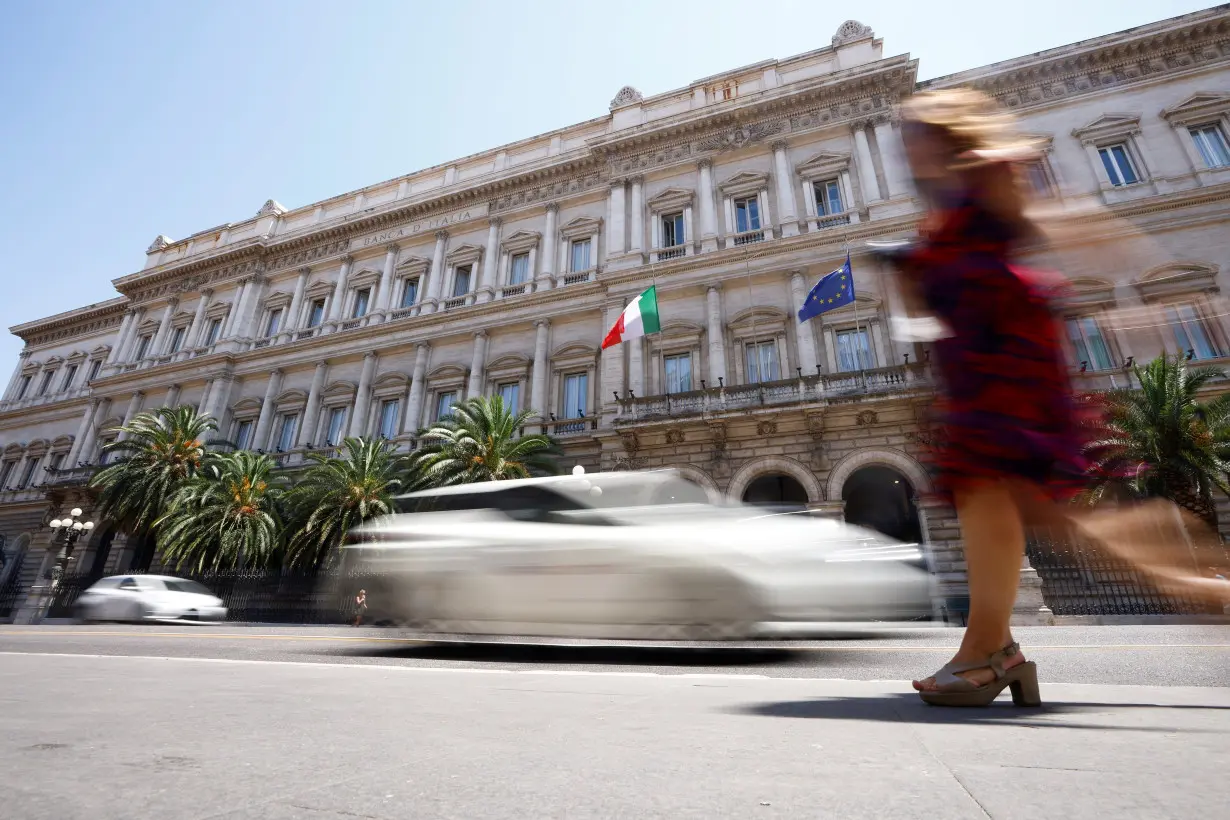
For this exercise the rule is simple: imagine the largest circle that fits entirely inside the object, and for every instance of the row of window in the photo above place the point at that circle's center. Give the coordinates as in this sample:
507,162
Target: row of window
27,474
1209,140
1190,333
48,378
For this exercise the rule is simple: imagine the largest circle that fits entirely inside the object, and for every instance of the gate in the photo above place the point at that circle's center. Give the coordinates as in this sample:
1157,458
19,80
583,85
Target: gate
1079,578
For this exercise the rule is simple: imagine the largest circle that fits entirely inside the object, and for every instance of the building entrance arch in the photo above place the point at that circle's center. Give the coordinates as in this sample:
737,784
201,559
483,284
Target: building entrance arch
776,490
882,499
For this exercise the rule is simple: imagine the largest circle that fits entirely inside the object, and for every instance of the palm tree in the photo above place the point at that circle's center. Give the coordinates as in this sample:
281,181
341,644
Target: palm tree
226,515
1162,441
337,494
481,442
159,452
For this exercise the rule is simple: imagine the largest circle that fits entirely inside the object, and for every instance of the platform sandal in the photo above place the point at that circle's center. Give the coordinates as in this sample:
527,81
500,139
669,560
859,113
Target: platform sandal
954,690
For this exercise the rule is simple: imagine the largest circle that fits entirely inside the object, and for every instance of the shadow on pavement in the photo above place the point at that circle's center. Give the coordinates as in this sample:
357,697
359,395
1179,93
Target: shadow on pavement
573,655
908,708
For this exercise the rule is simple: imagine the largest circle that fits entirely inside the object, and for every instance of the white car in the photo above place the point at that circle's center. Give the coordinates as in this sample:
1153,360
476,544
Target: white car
149,598
625,555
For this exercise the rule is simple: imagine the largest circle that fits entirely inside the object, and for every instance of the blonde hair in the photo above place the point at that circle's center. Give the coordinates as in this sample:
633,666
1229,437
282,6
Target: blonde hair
979,129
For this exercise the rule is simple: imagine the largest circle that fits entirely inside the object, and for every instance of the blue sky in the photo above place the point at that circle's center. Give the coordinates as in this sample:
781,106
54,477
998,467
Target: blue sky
125,119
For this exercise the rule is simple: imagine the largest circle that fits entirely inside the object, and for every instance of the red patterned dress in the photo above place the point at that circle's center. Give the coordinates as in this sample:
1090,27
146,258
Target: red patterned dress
1008,409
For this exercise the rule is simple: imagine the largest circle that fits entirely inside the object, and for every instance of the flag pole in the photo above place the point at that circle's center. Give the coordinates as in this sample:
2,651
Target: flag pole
858,340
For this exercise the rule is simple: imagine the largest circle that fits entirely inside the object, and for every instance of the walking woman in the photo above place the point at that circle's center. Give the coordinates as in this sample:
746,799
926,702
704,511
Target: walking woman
1010,443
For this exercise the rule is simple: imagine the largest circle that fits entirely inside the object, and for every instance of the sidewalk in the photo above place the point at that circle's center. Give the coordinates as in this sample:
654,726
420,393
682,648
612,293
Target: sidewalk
279,740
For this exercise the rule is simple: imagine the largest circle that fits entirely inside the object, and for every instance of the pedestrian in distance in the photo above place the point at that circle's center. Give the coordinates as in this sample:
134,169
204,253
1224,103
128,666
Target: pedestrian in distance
1009,446
360,607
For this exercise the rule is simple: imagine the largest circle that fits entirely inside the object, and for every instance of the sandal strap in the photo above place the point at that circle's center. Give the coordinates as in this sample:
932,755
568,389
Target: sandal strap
948,680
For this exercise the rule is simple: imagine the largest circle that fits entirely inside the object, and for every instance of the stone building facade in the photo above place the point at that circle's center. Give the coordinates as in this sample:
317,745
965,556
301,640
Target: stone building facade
371,312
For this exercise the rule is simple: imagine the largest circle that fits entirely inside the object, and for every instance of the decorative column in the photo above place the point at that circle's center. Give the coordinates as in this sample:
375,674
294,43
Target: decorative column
477,361
786,206
486,288
638,215
127,350
362,397
164,327
251,305
172,398
717,338
220,399
385,297
121,339
290,322
339,292
134,407
83,431
892,159
550,243
435,278
414,404
866,170
615,220
538,379
101,408
265,420
708,213
232,318
198,319
308,429
803,330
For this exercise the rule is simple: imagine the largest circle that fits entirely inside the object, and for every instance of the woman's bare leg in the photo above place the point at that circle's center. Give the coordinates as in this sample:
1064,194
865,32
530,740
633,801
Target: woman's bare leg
994,537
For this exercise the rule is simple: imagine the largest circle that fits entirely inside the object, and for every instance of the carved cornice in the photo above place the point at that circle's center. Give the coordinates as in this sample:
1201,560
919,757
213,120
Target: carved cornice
1116,61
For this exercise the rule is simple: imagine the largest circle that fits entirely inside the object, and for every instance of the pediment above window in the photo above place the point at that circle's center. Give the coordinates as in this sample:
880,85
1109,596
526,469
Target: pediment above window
277,300
148,327
391,382
581,227
744,182
447,376
670,198
864,308
413,266
319,289
217,310
1089,292
1199,107
1177,278
512,366
37,447
246,407
364,278
1108,127
758,321
62,442
53,362
13,450
290,400
76,357
464,254
181,319
521,241
100,352
679,334
1043,142
339,391
823,164
574,354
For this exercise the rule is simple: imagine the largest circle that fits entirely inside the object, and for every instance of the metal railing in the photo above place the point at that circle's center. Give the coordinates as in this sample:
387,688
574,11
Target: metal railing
834,221
1081,578
512,290
576,278
66,476
351,324
455,302
748,238
879,381
675,252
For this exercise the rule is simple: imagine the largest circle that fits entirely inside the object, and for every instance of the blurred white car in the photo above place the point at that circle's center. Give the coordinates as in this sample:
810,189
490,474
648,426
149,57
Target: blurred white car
149,598
625,555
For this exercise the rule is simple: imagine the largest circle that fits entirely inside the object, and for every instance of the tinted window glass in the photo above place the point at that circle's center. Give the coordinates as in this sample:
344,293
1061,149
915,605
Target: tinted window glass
180,585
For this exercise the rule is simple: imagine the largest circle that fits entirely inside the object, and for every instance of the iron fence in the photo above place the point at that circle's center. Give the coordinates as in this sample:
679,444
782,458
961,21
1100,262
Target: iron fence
255,596
11,591
1080,578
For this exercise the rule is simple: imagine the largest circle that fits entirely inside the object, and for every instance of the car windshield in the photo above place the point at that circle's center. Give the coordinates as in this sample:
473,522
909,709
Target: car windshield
180,585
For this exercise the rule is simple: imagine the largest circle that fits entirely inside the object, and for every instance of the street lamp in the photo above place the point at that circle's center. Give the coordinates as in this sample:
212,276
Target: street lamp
65,531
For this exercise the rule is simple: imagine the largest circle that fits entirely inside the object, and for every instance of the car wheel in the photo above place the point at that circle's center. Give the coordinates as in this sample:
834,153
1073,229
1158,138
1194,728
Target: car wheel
138,614
85,615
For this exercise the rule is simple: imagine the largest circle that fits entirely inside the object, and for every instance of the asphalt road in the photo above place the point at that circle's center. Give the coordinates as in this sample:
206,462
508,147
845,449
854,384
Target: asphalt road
234,723
1127,655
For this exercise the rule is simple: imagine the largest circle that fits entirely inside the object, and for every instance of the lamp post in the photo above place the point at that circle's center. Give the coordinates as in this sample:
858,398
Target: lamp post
65,531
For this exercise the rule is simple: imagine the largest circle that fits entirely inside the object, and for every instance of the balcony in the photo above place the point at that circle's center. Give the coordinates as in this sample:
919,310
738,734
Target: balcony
819,223
830,387
455,302
748,238
69,476
513,290
576,278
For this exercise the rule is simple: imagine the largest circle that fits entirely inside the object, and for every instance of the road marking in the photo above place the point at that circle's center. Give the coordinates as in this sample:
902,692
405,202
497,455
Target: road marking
837,647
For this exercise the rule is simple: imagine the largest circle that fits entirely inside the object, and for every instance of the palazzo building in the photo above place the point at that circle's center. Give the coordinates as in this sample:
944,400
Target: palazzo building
374,311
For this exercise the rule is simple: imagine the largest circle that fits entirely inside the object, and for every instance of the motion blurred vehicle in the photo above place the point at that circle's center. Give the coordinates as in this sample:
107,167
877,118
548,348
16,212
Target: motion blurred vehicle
625,555
148,598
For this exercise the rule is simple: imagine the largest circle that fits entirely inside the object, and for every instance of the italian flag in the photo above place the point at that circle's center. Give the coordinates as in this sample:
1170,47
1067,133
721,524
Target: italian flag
639,317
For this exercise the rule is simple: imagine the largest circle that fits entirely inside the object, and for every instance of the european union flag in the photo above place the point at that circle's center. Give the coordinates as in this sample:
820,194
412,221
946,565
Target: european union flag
832,291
